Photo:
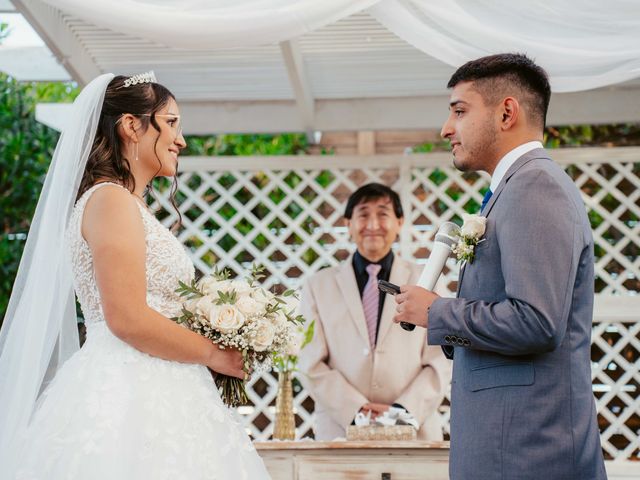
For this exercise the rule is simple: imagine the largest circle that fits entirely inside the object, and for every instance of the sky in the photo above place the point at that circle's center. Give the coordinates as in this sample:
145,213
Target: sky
23,55
22,34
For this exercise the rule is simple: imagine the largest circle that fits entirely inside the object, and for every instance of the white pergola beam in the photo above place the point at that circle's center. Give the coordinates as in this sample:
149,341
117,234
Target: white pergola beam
49,24
603,106
301,88
404,113
399,113
53,115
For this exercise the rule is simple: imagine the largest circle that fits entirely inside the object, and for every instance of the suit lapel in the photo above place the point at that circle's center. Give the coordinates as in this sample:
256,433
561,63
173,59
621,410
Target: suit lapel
518,164
348,286
400,275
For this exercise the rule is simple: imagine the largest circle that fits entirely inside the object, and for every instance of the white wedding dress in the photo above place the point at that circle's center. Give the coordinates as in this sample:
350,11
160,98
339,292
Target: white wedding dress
113,412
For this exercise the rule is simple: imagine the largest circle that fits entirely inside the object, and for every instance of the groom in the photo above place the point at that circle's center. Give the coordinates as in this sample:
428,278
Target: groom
519,330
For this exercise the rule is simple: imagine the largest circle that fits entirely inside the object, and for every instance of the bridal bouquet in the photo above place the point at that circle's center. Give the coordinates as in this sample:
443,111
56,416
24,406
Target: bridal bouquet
241,314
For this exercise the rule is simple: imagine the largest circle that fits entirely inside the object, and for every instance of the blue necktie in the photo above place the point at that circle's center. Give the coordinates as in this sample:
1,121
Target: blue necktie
485,200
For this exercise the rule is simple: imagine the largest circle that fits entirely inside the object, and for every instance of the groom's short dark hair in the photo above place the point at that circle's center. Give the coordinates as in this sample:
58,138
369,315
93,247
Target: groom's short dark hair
373,191
497,76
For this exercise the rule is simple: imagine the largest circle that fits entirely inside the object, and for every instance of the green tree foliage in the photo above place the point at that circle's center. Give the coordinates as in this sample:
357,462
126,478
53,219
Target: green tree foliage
282,144
26,147
619,135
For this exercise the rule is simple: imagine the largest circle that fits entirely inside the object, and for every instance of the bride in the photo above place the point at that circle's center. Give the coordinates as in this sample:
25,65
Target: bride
138,400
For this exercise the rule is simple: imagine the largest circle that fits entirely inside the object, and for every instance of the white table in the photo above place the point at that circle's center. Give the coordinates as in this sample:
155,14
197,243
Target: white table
342,460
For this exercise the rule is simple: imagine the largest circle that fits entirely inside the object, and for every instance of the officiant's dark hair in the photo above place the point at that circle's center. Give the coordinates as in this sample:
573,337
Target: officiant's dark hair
497,76
106,160
373,191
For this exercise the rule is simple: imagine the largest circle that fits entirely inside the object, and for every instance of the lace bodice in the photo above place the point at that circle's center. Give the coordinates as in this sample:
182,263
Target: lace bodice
166,263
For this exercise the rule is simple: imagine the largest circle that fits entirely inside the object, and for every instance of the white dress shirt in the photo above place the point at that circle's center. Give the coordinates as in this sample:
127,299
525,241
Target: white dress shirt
508,160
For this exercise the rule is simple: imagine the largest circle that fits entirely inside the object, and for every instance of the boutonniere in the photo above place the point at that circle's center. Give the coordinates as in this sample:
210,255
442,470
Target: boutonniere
470,235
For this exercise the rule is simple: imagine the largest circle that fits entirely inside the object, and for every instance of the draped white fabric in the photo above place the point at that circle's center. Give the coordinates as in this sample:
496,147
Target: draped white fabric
583,44
207,24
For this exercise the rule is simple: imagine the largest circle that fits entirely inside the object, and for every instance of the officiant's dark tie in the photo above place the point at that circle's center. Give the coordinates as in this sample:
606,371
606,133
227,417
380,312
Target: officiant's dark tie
485,200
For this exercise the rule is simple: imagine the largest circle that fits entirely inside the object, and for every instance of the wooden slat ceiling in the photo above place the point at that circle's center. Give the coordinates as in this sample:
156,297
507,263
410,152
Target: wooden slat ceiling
355,57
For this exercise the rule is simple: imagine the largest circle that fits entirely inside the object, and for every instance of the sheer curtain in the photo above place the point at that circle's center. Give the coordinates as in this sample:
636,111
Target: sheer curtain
582,44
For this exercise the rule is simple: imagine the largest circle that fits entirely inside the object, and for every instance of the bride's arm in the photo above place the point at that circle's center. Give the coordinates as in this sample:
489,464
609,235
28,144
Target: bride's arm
113,228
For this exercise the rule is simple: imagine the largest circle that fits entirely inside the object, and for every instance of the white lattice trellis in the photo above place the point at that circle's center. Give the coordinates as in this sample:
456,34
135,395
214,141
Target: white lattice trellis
286,213
616,381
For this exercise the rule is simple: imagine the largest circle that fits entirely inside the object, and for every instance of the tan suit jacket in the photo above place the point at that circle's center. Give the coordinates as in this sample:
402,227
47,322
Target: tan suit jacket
342,372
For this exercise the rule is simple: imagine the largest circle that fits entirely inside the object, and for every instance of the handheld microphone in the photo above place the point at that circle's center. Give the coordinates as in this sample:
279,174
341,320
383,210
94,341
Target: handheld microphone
446,238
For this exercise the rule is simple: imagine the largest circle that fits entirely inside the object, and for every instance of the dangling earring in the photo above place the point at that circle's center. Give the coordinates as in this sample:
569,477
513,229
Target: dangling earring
135,143
135,150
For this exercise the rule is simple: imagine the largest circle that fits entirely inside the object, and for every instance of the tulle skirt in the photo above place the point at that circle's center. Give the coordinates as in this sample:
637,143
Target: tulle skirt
113,412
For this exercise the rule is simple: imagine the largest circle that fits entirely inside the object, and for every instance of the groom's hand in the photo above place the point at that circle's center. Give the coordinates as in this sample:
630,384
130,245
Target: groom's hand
413,304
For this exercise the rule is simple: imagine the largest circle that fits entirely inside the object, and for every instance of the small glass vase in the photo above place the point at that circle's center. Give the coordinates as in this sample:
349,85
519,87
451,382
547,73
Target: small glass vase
285,422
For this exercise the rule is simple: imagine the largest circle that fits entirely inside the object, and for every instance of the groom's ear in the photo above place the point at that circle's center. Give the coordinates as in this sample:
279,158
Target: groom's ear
509,111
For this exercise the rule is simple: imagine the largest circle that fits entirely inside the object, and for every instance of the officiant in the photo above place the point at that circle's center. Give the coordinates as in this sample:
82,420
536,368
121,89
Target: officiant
358,360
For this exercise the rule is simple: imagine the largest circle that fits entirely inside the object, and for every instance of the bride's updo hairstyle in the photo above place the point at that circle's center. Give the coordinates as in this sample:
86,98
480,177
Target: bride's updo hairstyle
106,160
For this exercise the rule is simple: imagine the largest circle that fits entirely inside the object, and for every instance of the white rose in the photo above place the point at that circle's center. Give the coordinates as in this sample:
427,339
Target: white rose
473,226
226,318
210,285
240,286
202,306
248,306
264,334
279,319
261,296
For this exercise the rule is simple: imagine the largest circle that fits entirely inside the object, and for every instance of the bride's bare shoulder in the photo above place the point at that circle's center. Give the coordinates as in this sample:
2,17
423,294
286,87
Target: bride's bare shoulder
110,210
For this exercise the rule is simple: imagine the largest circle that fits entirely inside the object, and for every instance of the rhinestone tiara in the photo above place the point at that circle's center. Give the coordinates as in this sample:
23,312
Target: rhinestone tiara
146,77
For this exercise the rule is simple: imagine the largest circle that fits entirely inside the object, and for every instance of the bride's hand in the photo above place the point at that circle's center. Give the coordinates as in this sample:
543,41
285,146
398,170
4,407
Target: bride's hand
227,361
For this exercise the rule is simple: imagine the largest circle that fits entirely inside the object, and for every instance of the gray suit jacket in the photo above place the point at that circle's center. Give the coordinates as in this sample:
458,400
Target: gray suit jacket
522,404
